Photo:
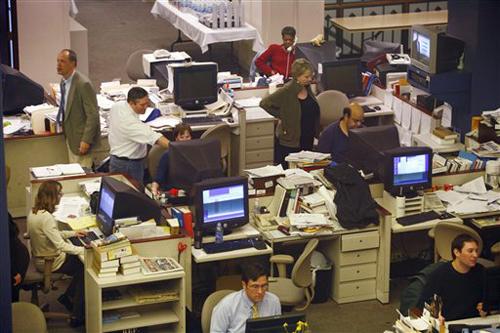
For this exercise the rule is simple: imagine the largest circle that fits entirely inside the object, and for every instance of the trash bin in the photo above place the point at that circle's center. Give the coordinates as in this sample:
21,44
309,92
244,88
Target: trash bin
322,277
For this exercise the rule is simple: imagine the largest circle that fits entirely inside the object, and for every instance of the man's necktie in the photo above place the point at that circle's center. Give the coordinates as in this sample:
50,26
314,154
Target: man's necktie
60,113
255,311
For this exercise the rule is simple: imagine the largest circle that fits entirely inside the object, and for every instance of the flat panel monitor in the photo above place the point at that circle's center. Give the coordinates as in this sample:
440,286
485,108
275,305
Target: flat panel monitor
119,200
433,51
221,200
275,324
408,169
195,84
366,146
19,90
342,75
193,161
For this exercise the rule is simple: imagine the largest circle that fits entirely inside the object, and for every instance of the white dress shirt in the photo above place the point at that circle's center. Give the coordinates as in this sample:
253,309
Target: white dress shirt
128,135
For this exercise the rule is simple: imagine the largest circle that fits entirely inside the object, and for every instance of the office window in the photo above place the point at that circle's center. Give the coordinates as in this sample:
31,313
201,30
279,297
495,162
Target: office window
8,33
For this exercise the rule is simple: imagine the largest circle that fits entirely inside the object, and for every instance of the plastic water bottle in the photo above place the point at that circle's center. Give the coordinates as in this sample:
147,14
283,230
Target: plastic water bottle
219,233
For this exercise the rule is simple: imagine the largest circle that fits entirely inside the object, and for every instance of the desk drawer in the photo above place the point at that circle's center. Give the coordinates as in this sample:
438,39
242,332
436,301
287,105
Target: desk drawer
357,257
357,272
356,288
260,142
360,241
260,128
259,155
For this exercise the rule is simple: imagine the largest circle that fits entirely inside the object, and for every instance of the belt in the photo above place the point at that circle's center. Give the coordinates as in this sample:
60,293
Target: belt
128,159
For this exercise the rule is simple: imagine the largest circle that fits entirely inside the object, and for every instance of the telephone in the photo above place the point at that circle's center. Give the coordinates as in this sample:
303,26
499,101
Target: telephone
290,48
161,53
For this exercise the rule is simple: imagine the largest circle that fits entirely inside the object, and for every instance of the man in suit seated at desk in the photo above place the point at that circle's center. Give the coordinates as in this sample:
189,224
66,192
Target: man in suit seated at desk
460,283
335,138
253,301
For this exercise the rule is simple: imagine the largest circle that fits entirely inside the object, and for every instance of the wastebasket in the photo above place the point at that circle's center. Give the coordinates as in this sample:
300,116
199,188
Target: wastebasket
322,276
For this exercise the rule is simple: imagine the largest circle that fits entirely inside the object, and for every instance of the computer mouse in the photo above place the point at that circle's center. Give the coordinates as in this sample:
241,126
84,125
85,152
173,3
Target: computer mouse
377,108
445,215
259,244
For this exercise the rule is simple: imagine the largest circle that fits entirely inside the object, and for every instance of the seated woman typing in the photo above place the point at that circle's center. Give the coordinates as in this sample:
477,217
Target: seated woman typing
48,241
278,58
182,132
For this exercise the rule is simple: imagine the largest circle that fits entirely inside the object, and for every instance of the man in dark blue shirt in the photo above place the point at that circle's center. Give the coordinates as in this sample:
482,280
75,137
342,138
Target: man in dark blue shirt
335,138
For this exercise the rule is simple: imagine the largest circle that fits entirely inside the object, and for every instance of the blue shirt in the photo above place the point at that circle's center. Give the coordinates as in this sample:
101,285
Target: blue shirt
232,312
332,140
162,172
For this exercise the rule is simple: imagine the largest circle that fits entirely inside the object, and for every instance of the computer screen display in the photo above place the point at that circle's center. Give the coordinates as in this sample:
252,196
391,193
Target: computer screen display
223,203
409,170
342,75
195,85
105,208
107,201
422,45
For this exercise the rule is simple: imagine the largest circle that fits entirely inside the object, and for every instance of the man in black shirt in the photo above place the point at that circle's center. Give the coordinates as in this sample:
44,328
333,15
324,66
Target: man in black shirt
460,283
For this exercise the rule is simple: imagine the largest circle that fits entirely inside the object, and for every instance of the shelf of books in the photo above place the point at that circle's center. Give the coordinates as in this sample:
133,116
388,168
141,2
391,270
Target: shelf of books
124,290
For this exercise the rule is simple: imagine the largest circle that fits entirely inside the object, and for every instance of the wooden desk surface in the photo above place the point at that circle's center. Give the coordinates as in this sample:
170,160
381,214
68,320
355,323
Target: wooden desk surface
390,21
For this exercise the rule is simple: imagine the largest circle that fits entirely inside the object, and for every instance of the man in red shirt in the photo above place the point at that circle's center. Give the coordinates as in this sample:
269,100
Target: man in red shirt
278,58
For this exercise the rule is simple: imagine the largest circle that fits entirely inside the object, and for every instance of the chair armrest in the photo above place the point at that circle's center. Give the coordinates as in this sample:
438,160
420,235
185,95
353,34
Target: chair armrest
495,248
281,260
430,233
47,272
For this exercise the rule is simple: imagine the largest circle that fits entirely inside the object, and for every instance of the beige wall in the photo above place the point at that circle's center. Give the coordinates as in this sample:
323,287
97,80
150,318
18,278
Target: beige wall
43,28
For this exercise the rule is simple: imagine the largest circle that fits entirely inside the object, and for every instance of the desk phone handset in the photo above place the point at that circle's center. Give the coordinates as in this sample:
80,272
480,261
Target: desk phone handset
161,53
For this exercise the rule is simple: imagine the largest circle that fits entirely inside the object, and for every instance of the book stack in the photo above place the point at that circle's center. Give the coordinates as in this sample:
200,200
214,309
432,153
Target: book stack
130,265
185,218
465,161
444,136
285,201
107,253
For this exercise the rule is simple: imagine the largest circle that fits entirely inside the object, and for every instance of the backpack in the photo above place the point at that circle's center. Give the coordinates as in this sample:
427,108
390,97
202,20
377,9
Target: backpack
355,205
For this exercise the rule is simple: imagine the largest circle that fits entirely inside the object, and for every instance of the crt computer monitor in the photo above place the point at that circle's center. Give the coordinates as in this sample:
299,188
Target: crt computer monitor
18,90
366,146
274,324
195,84
433,51
119,200
407,170
193,161
342,75
221,200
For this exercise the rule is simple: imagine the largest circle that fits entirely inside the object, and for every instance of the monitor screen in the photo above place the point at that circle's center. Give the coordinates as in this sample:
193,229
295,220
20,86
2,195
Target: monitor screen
422,45
342,75
195,85
274,324
105,208
409,170
221,200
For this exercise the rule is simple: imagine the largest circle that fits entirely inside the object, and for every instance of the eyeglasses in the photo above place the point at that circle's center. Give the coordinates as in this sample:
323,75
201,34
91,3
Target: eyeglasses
256,287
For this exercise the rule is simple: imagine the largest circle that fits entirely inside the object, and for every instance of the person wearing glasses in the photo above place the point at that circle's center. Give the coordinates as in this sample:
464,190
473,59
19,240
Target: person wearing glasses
253,301
297,111
129,137
48,241
335,138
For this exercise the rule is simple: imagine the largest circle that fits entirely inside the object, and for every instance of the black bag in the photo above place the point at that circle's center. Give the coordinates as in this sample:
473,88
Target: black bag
94,199
355,205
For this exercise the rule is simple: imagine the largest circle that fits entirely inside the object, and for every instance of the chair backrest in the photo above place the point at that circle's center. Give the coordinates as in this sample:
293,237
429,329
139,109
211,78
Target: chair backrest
154,157
252,72
23,310
331,104
301,272
134,68
221,132
209,305
445,233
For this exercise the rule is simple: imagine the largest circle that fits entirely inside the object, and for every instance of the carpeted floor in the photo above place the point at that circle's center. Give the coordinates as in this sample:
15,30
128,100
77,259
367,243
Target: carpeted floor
115,30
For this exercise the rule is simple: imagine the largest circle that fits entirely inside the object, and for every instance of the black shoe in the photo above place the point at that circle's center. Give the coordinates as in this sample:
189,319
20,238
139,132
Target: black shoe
76,322
66,302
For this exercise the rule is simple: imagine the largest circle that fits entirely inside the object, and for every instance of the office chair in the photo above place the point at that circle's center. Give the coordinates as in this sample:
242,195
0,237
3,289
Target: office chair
208,307
331,104
252,72
27,318
134,68
445,232
154,157
221,132
299,288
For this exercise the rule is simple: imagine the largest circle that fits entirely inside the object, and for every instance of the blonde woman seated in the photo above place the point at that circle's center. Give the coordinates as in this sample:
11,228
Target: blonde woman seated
48,241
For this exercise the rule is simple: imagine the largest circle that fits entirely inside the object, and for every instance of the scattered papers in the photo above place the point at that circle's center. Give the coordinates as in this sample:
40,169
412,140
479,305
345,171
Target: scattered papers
487,149
248,102
313,199
267,171
71,207
451,197
307,156
161,122
83,222
13,125
90,187
308,220
476,186
58,170
104,103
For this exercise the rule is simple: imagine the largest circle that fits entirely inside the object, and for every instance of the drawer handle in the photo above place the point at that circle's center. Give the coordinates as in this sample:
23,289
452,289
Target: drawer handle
361,241
357,272
357,287
358,255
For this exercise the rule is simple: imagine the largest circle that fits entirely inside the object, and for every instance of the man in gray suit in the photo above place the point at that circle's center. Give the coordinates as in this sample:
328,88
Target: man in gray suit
78,113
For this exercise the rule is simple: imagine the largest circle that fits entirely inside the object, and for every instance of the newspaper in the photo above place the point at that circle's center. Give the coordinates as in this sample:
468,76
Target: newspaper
155,265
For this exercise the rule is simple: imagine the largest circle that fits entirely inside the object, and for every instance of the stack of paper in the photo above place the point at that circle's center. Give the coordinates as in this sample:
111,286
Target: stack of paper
267,171
58,170
307,156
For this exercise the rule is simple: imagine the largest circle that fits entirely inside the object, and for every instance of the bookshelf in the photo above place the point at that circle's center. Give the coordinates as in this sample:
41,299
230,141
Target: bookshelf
126,312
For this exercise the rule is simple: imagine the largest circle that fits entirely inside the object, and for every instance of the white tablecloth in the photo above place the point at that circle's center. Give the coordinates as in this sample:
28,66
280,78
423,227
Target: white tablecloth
201,34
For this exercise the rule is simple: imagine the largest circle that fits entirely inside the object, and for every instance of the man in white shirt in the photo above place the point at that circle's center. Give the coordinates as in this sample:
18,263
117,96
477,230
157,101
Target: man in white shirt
253,301
129,136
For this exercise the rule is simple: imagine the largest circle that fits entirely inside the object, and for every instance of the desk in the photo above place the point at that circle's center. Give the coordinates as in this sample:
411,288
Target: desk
386,22
201,34
425,140
489,320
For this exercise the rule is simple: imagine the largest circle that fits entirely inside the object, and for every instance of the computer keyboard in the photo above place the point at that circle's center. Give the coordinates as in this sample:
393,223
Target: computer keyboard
233,245
203,120
82,241
418,218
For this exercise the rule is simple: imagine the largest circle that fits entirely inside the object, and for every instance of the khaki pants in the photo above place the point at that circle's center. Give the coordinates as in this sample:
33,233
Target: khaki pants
84,160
